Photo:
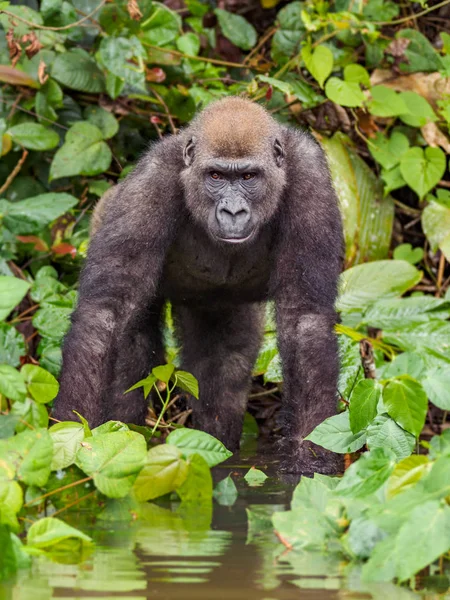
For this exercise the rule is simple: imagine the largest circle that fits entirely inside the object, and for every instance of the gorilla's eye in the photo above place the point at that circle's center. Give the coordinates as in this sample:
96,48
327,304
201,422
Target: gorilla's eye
248,176
215,175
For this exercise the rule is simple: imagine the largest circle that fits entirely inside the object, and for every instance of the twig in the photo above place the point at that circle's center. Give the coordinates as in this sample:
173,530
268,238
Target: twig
166,108
264,393
214,61
367,359
72,504
14,172
47,28
61,489
412,17
261,43
440,275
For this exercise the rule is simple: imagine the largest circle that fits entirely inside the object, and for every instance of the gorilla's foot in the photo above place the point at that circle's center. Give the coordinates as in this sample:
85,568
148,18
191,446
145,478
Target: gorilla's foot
307,458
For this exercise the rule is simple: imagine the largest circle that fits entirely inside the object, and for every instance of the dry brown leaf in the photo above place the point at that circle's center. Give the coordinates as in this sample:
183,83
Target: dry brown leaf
34,44
434,136
15,49
134,10
432,86
42,75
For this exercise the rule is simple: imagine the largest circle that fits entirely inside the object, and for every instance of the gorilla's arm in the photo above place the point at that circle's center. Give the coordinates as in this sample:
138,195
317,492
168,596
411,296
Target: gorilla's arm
117,287
306,271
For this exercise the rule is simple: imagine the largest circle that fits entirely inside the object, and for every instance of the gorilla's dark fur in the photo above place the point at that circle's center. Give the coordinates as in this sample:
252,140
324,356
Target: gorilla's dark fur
233,211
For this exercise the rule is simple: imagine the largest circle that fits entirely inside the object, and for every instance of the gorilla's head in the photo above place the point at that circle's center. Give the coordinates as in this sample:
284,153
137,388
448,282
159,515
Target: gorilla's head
234,169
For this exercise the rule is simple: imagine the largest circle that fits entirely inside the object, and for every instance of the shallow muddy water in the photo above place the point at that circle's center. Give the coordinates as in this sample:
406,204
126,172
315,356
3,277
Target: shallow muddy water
170,553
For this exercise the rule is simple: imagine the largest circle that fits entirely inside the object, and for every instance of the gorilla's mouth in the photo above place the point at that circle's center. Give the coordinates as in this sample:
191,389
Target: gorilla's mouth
236,240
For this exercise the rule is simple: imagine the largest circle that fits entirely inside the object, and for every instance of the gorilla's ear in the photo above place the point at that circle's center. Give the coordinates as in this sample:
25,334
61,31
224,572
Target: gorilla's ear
279,152
189,152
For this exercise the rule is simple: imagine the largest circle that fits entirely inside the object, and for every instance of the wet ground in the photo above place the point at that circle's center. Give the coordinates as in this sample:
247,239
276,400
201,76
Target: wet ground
169,553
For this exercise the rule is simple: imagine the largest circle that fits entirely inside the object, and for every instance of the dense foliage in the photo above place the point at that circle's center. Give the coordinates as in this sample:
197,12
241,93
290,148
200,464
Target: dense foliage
85,85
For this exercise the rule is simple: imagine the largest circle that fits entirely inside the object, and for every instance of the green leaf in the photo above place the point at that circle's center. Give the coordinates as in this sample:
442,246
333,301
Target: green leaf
364,284
408,253
31,452
11,500
146,383
192,441
436,226
84,153
419,110
430,335
237,29
355,73
75,69
363,404
66,437
119,54
345,93
407,473
12,384
34,136
319,62
33,214
187,382
388,151
12,291
386,102
41,384
423,538
400,312
225,492
406,402
420,54
12,345
104,120
113,460
423,169
51,534
198,486
162,26
283,86
367,474
165,471
189,43
255,477
437,386
335,434
163,372
384,432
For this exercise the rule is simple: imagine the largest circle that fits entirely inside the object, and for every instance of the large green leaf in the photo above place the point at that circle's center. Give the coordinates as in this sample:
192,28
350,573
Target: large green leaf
113,460
119,55
41,384
345,93
434,335
77,70
12,291
34,136
197,488
237,29
31,452
367,474
363,404
423,169
319,62
84,152
66,437
406,402
436,226
165,471
335,434
364,284
192,441
12,384
384,432
162,26
33,214
50,533
367,214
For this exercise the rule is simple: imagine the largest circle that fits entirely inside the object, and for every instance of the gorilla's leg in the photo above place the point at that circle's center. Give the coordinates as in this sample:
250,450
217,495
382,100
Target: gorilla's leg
308,349
220,346
138,350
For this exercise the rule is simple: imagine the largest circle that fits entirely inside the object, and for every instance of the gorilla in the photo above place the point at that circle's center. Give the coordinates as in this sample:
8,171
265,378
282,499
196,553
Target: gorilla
233,211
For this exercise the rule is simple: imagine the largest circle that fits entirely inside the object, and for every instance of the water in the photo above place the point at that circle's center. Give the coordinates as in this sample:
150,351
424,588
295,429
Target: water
169,553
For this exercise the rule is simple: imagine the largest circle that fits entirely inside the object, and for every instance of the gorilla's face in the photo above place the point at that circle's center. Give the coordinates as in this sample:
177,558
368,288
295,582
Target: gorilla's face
234,187
232,198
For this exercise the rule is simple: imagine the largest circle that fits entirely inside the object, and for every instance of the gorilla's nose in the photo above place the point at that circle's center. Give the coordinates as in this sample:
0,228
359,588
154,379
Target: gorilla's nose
233,218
